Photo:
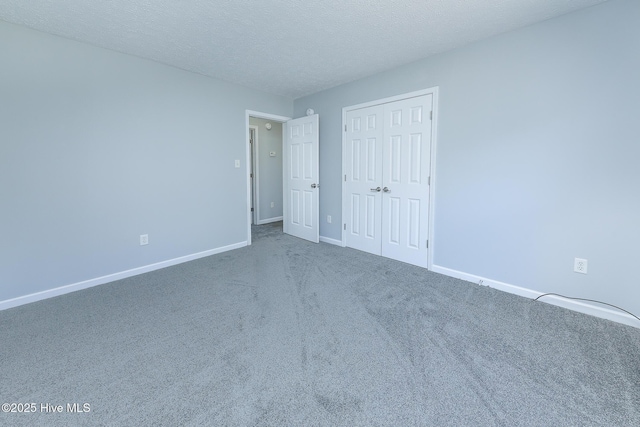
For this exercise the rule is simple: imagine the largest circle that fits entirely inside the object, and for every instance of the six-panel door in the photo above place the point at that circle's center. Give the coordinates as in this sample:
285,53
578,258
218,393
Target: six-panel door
405,184
302,178
364,179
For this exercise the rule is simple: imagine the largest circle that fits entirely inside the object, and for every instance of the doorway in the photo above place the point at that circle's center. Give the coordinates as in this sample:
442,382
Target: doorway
264,133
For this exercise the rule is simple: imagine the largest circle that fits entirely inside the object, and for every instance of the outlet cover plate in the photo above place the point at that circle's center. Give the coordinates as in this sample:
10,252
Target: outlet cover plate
144,239
580,265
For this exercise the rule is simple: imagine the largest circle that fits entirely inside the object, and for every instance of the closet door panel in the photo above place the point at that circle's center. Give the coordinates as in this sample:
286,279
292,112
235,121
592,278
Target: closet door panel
405,172
364,179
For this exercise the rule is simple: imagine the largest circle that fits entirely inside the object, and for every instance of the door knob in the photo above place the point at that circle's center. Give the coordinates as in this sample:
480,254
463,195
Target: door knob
315,185
376,189
386,190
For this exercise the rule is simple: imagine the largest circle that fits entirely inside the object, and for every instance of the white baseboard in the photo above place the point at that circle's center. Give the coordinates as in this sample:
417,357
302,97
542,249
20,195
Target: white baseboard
269,220
50,293
579,306
331,241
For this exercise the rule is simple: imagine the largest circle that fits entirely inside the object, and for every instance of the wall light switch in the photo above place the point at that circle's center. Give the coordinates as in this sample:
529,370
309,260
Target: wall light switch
144,239
237,163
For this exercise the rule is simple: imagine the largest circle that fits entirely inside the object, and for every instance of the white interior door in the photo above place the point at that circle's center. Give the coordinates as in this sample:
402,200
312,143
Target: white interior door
363,178
405,186
301,178
387,152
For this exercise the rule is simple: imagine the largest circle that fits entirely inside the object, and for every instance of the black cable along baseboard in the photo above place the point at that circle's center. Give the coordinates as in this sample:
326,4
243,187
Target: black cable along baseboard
590,300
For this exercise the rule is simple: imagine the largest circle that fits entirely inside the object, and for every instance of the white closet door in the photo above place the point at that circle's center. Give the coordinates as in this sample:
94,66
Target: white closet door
364,138
405,171
301,175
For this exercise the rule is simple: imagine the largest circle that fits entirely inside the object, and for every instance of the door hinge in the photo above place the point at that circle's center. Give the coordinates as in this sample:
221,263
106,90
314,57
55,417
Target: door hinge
427,244
431,115
251,209
250,175
429,181
345,128
345,178
344,226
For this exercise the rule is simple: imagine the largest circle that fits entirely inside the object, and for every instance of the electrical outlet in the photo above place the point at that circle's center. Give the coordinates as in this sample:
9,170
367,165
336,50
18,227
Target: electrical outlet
273,204
329,219
580,265
144,239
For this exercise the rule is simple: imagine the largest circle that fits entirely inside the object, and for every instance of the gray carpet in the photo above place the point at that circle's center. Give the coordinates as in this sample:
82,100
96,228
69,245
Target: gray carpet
286,333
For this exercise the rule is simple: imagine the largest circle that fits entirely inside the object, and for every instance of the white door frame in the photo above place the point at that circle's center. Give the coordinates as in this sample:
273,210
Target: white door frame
254,171
259,115
431,91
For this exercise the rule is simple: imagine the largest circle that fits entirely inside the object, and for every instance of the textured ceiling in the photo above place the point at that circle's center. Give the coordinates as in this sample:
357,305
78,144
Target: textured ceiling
286,47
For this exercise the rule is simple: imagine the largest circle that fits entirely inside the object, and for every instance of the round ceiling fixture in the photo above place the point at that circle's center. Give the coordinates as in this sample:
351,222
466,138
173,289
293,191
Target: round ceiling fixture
268,126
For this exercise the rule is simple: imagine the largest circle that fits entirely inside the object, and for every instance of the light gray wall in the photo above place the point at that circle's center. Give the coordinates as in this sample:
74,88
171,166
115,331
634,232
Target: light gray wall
270,168
98,147
538,150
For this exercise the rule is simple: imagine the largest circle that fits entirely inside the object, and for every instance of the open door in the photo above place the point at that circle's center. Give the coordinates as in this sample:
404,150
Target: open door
301,178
